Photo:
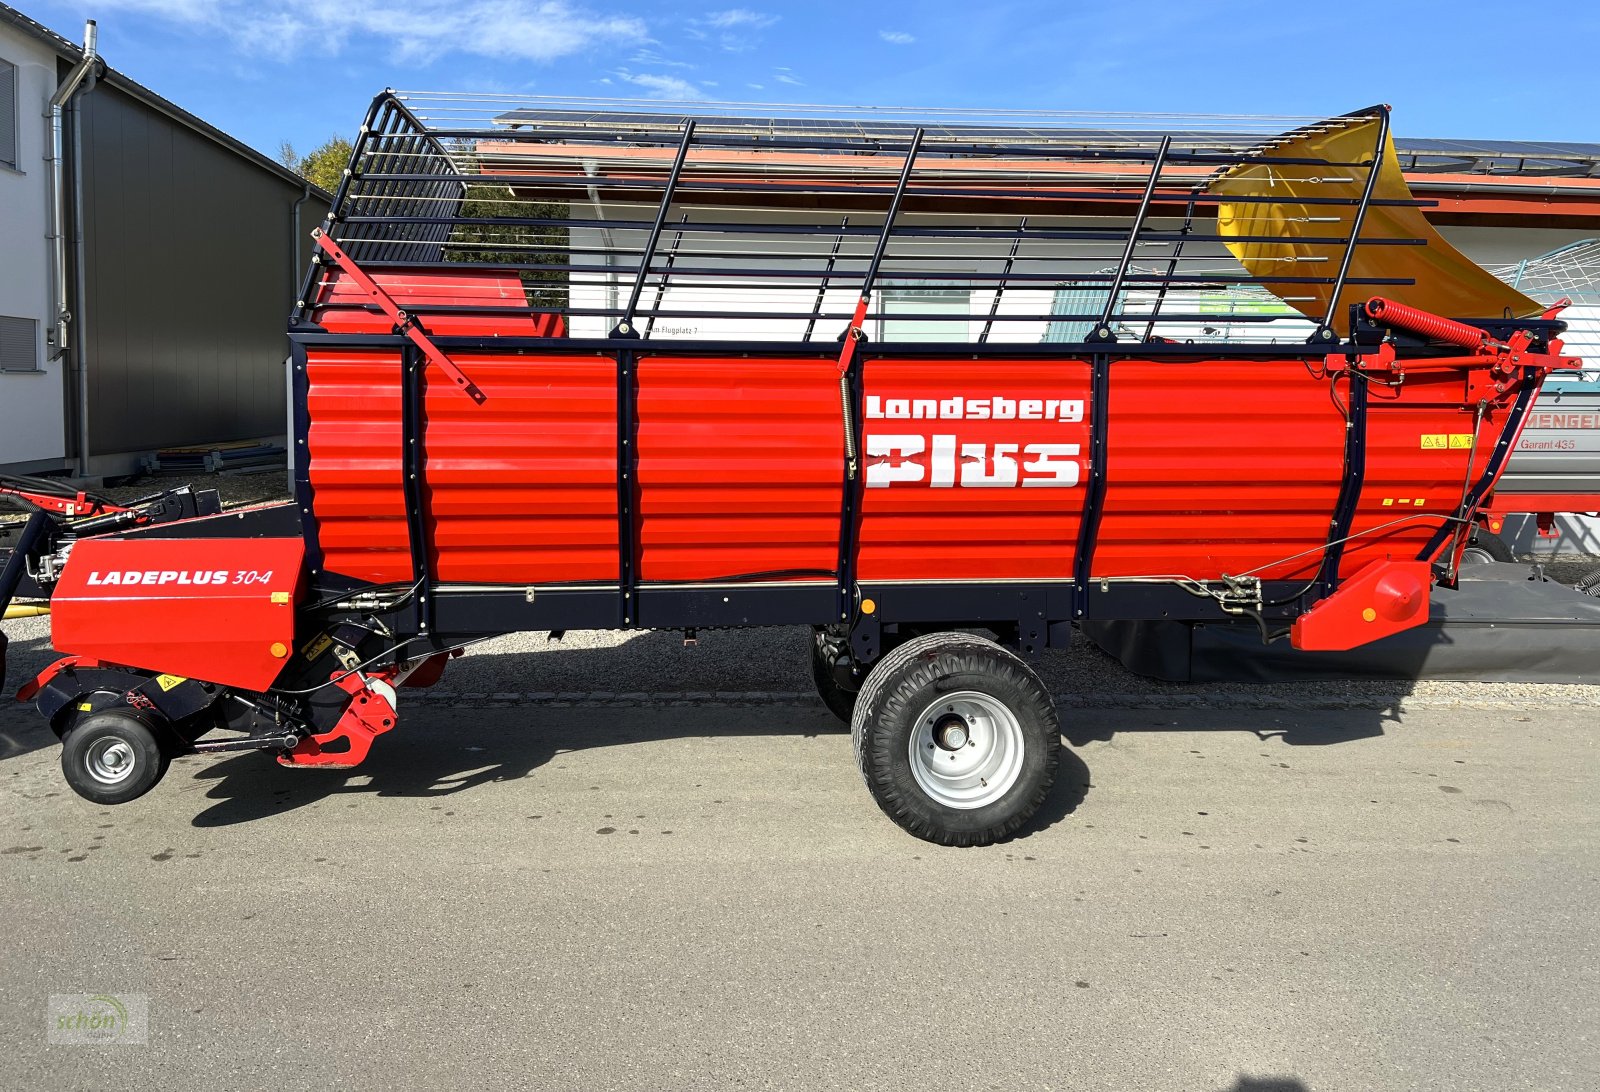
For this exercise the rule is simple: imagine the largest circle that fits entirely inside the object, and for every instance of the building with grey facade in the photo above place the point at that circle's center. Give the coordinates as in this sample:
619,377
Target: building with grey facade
148,262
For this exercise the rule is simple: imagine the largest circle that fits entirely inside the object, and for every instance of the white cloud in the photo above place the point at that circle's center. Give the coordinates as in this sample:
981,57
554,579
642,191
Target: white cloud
739,17
897,37
662,87
651,57
524,30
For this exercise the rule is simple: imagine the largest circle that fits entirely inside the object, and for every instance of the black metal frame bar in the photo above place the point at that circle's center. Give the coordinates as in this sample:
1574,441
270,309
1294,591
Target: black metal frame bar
1353,481
1005,278
1327,332
666,275
827,276
414,486
1095,493
1104,331
625,327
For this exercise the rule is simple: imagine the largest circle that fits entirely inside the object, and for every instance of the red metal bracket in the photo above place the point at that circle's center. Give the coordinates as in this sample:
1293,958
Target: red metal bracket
405,323
80,506
31,690
369,714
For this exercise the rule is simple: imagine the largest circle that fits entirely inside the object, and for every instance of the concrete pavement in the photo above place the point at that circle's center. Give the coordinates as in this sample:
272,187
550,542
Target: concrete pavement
704,896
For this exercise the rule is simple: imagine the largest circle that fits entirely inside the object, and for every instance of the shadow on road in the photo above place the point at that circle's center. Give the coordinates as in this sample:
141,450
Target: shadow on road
424,763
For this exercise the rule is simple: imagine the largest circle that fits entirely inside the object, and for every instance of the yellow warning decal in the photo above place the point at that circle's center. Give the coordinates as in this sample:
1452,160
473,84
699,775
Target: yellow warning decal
170,682
1461,439
316,646
1435,441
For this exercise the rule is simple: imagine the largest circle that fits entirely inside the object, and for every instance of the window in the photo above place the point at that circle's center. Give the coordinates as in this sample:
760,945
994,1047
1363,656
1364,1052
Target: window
19,344
918,311
8,114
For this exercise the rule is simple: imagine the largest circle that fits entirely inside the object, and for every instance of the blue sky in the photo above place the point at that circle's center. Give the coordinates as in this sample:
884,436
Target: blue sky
302,70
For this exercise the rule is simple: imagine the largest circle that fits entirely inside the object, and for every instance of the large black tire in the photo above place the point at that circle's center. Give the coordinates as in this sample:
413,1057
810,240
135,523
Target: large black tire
840,702
112,757
1486,546
958,695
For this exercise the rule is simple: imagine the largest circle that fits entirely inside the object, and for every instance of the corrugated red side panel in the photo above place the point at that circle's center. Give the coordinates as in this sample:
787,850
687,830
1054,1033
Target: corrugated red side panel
1218,467
1417,452
353,400
741,468
522,489
952,492
519,489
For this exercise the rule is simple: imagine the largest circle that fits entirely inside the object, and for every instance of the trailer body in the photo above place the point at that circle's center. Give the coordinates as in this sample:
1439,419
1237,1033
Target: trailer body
466,466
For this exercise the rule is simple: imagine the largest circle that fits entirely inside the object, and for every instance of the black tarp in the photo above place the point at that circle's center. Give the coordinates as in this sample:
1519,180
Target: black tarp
1501,624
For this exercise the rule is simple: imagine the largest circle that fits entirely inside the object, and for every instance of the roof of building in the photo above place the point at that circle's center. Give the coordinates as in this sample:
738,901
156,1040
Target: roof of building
73,53
1421,155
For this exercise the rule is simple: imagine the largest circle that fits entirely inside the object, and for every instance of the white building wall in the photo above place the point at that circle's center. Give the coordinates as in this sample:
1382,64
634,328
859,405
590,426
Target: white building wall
1055,262
32,423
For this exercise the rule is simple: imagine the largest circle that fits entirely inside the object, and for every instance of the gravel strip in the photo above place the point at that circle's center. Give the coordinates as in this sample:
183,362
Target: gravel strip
770,667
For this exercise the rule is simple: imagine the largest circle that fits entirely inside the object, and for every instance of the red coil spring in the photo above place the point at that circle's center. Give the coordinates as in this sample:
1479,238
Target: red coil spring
1428,325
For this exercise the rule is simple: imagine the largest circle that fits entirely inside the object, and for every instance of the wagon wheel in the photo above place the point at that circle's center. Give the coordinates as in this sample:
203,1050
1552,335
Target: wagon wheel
112,757
957,739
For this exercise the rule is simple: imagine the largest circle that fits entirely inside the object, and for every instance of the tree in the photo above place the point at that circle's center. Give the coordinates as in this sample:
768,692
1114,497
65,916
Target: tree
509,243
324,166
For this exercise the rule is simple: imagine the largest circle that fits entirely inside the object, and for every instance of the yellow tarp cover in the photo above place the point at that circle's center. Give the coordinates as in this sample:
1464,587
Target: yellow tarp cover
1447,282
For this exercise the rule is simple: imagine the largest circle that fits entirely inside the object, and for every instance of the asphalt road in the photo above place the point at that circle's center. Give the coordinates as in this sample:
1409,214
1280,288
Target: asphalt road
702,895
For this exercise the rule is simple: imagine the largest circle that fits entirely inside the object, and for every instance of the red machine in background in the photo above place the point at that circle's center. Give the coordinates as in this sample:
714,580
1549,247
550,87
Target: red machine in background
475,458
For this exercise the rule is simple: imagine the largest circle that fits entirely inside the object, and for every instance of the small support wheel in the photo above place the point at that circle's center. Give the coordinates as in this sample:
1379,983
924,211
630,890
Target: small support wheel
112,757
956,738
1485,546
840,702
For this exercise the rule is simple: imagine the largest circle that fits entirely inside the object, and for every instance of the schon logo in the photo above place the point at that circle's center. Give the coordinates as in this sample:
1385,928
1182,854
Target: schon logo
943,462
958,408
151,577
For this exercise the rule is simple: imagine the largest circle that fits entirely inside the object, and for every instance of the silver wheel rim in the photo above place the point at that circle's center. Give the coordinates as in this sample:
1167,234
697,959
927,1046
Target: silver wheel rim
110,760
966,750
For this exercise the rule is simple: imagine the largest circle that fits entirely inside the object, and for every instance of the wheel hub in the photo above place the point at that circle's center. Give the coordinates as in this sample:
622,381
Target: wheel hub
966,750
110,761
951,732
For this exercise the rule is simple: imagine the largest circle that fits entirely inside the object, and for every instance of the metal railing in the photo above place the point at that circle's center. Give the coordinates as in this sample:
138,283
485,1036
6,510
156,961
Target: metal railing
667,223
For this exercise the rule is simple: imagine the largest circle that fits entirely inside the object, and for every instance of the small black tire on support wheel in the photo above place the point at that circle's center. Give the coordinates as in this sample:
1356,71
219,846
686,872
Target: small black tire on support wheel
1486,546
840,702
112,757
956,738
